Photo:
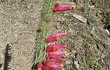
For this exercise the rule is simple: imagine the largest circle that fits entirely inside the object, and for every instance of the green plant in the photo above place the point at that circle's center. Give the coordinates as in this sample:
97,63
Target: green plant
40,44
47,10
96,67
89,60
65,22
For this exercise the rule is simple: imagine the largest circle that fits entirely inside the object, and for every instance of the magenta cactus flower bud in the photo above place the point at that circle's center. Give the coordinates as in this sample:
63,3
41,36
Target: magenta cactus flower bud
46,63
62,8
59,58
50,49
52,39
56,65
54,56
58,53
59,34
55,60
39,66
55,47
53,65
58,46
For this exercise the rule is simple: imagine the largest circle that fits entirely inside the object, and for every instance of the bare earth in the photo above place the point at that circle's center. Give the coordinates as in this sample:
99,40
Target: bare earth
18,22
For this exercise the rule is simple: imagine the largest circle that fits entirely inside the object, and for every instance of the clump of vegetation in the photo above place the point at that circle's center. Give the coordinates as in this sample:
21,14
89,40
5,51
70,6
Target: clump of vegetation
40,44
96,67
65,22
90,62
47,10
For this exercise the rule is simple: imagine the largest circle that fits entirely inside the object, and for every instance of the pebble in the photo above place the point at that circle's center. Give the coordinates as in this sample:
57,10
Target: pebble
79,17
76,64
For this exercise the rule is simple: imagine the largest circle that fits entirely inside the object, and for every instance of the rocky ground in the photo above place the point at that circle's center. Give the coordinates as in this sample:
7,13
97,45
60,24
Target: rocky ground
88,42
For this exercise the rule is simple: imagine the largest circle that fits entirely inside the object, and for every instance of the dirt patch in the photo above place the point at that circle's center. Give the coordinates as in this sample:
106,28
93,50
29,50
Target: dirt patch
19,21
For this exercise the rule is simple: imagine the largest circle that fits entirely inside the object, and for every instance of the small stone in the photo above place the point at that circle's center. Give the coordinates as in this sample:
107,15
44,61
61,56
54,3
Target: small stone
0,65
29,6
79,17
76,64
66,14
107,31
